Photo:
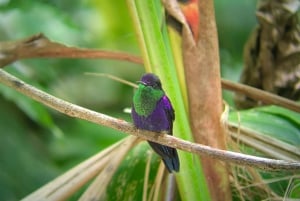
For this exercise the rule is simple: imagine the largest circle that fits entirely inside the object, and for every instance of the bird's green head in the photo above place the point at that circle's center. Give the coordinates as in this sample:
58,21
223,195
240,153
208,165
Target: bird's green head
148,93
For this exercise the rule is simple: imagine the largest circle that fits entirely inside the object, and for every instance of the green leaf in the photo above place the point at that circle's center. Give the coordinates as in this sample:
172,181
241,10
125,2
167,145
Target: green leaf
273,121
25,165
127,183
30,107
293,117
149,22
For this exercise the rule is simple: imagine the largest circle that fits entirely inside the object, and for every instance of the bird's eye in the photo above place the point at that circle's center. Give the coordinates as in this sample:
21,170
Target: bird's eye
156,85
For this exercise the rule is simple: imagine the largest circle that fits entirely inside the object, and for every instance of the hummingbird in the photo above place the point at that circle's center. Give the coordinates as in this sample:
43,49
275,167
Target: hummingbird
152,110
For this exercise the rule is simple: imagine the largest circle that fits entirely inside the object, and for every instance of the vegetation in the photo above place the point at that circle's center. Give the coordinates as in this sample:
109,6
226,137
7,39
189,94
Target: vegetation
39,144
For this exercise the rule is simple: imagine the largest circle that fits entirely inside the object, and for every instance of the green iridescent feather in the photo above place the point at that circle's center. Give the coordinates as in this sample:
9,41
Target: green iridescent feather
145,99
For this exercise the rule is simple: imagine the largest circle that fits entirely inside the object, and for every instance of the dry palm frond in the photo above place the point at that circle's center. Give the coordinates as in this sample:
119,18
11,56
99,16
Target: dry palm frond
267,145
146,178
97,190
65,185
154,193
248,184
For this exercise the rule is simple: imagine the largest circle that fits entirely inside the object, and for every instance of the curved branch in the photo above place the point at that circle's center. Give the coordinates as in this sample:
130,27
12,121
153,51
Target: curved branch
123,126
39,46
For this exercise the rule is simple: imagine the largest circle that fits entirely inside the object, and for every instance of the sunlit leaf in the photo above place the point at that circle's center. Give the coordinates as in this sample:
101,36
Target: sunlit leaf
149,22
273,121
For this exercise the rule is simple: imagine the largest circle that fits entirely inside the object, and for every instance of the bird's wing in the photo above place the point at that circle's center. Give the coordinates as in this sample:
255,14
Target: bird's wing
170,113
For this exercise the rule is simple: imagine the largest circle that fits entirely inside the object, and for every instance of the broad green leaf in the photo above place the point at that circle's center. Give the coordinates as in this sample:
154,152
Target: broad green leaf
293,117
128,181
149,22
81,140
34,110
282,125
25,165
274,121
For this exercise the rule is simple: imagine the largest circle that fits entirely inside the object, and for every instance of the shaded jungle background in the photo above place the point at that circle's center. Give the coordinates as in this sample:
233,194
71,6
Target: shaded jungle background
36,143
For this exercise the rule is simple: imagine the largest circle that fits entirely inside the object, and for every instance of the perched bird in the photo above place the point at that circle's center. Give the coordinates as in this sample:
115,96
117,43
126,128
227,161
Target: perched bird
152,110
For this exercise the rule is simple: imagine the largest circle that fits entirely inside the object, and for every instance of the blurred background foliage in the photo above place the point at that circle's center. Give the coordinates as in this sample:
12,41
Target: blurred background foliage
36,143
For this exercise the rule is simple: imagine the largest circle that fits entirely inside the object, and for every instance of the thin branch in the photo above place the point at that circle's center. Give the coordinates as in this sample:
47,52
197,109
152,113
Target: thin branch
115,78
123,126
39,46
258,94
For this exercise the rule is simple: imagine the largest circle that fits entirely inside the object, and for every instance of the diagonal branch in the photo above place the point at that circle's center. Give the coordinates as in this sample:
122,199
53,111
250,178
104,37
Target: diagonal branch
258,94
123,126
39,46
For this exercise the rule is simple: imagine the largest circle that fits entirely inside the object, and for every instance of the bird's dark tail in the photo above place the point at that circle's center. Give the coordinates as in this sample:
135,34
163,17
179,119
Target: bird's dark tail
169,156
172,164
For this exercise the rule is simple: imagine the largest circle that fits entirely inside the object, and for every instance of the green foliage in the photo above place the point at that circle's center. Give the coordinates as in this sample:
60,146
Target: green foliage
25,161
37,144
81,140
280,124
128,182
273,121
157,55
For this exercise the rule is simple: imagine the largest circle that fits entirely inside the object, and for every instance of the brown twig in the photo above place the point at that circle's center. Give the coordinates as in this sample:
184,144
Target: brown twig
258,94
39,46
123,126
